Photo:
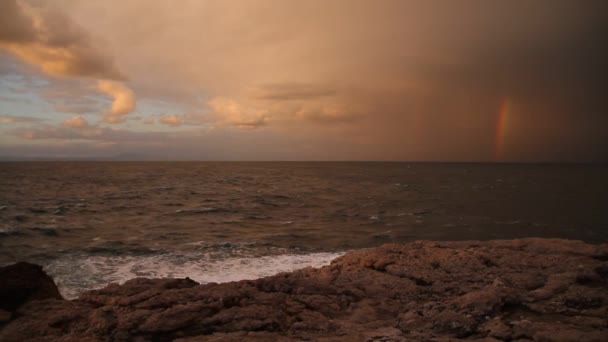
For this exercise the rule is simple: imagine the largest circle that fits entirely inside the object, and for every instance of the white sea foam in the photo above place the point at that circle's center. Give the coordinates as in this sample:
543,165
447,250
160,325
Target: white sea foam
74,275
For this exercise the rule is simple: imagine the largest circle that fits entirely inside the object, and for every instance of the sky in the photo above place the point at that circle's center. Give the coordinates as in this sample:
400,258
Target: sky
405,80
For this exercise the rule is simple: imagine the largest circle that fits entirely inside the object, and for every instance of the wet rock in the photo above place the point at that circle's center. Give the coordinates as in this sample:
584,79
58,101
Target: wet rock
520,290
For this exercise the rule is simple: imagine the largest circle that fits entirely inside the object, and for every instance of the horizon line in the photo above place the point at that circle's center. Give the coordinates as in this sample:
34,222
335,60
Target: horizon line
116,160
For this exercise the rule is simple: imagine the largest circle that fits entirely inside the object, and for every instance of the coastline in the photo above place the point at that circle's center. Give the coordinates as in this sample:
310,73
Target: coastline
526,289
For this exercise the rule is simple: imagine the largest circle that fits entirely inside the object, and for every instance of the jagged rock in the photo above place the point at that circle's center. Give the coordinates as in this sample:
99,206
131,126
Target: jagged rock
528,289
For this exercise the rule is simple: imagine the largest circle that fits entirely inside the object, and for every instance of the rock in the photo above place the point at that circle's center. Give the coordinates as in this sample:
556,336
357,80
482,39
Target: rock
482,302
497,329
5,316
521,290
23,282
452,323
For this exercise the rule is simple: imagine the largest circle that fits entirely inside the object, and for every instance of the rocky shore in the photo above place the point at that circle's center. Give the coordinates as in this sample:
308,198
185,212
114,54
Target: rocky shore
527,289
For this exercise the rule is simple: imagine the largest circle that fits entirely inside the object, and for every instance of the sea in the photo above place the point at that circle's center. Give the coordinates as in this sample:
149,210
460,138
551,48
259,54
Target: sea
93,223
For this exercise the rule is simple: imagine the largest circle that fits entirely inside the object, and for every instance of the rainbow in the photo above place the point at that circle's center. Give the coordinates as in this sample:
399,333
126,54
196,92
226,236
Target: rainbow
502,118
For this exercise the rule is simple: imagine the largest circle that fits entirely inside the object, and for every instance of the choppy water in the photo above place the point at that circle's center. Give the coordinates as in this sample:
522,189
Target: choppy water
90,223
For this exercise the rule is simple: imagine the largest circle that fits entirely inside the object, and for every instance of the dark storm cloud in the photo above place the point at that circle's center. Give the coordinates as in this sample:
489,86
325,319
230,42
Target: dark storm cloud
547,58
15,26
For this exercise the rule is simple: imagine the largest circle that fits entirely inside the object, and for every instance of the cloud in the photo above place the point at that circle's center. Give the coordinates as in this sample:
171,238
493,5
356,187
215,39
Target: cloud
230,112
176,120
75,122
149,121
15,24
14,99
291,91
123,100
80,131
113,119
256,113
76,109
171,120
63,133
420,80
46,38
9,119
326,114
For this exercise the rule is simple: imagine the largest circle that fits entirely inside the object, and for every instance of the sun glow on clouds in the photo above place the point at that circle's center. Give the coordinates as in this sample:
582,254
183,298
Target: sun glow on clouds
75,122
386,80
170,120
123,101
232,113
45,37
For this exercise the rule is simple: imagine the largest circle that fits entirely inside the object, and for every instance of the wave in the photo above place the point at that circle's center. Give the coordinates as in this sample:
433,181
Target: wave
77,273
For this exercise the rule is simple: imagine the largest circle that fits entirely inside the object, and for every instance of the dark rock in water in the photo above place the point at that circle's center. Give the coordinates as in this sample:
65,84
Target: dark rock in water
23,282
534,289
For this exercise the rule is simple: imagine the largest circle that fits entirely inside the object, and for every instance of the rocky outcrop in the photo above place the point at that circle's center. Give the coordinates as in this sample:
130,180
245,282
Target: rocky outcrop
20,283
528,289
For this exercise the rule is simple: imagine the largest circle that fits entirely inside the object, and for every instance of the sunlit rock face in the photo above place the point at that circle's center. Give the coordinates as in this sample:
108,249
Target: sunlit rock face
534,289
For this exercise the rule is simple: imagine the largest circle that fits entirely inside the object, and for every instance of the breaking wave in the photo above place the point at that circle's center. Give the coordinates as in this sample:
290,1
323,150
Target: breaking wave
77,273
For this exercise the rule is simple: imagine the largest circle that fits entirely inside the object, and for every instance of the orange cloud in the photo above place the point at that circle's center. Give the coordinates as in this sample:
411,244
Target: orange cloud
48,39
123,101
232,113
113,119
76,122
171,120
